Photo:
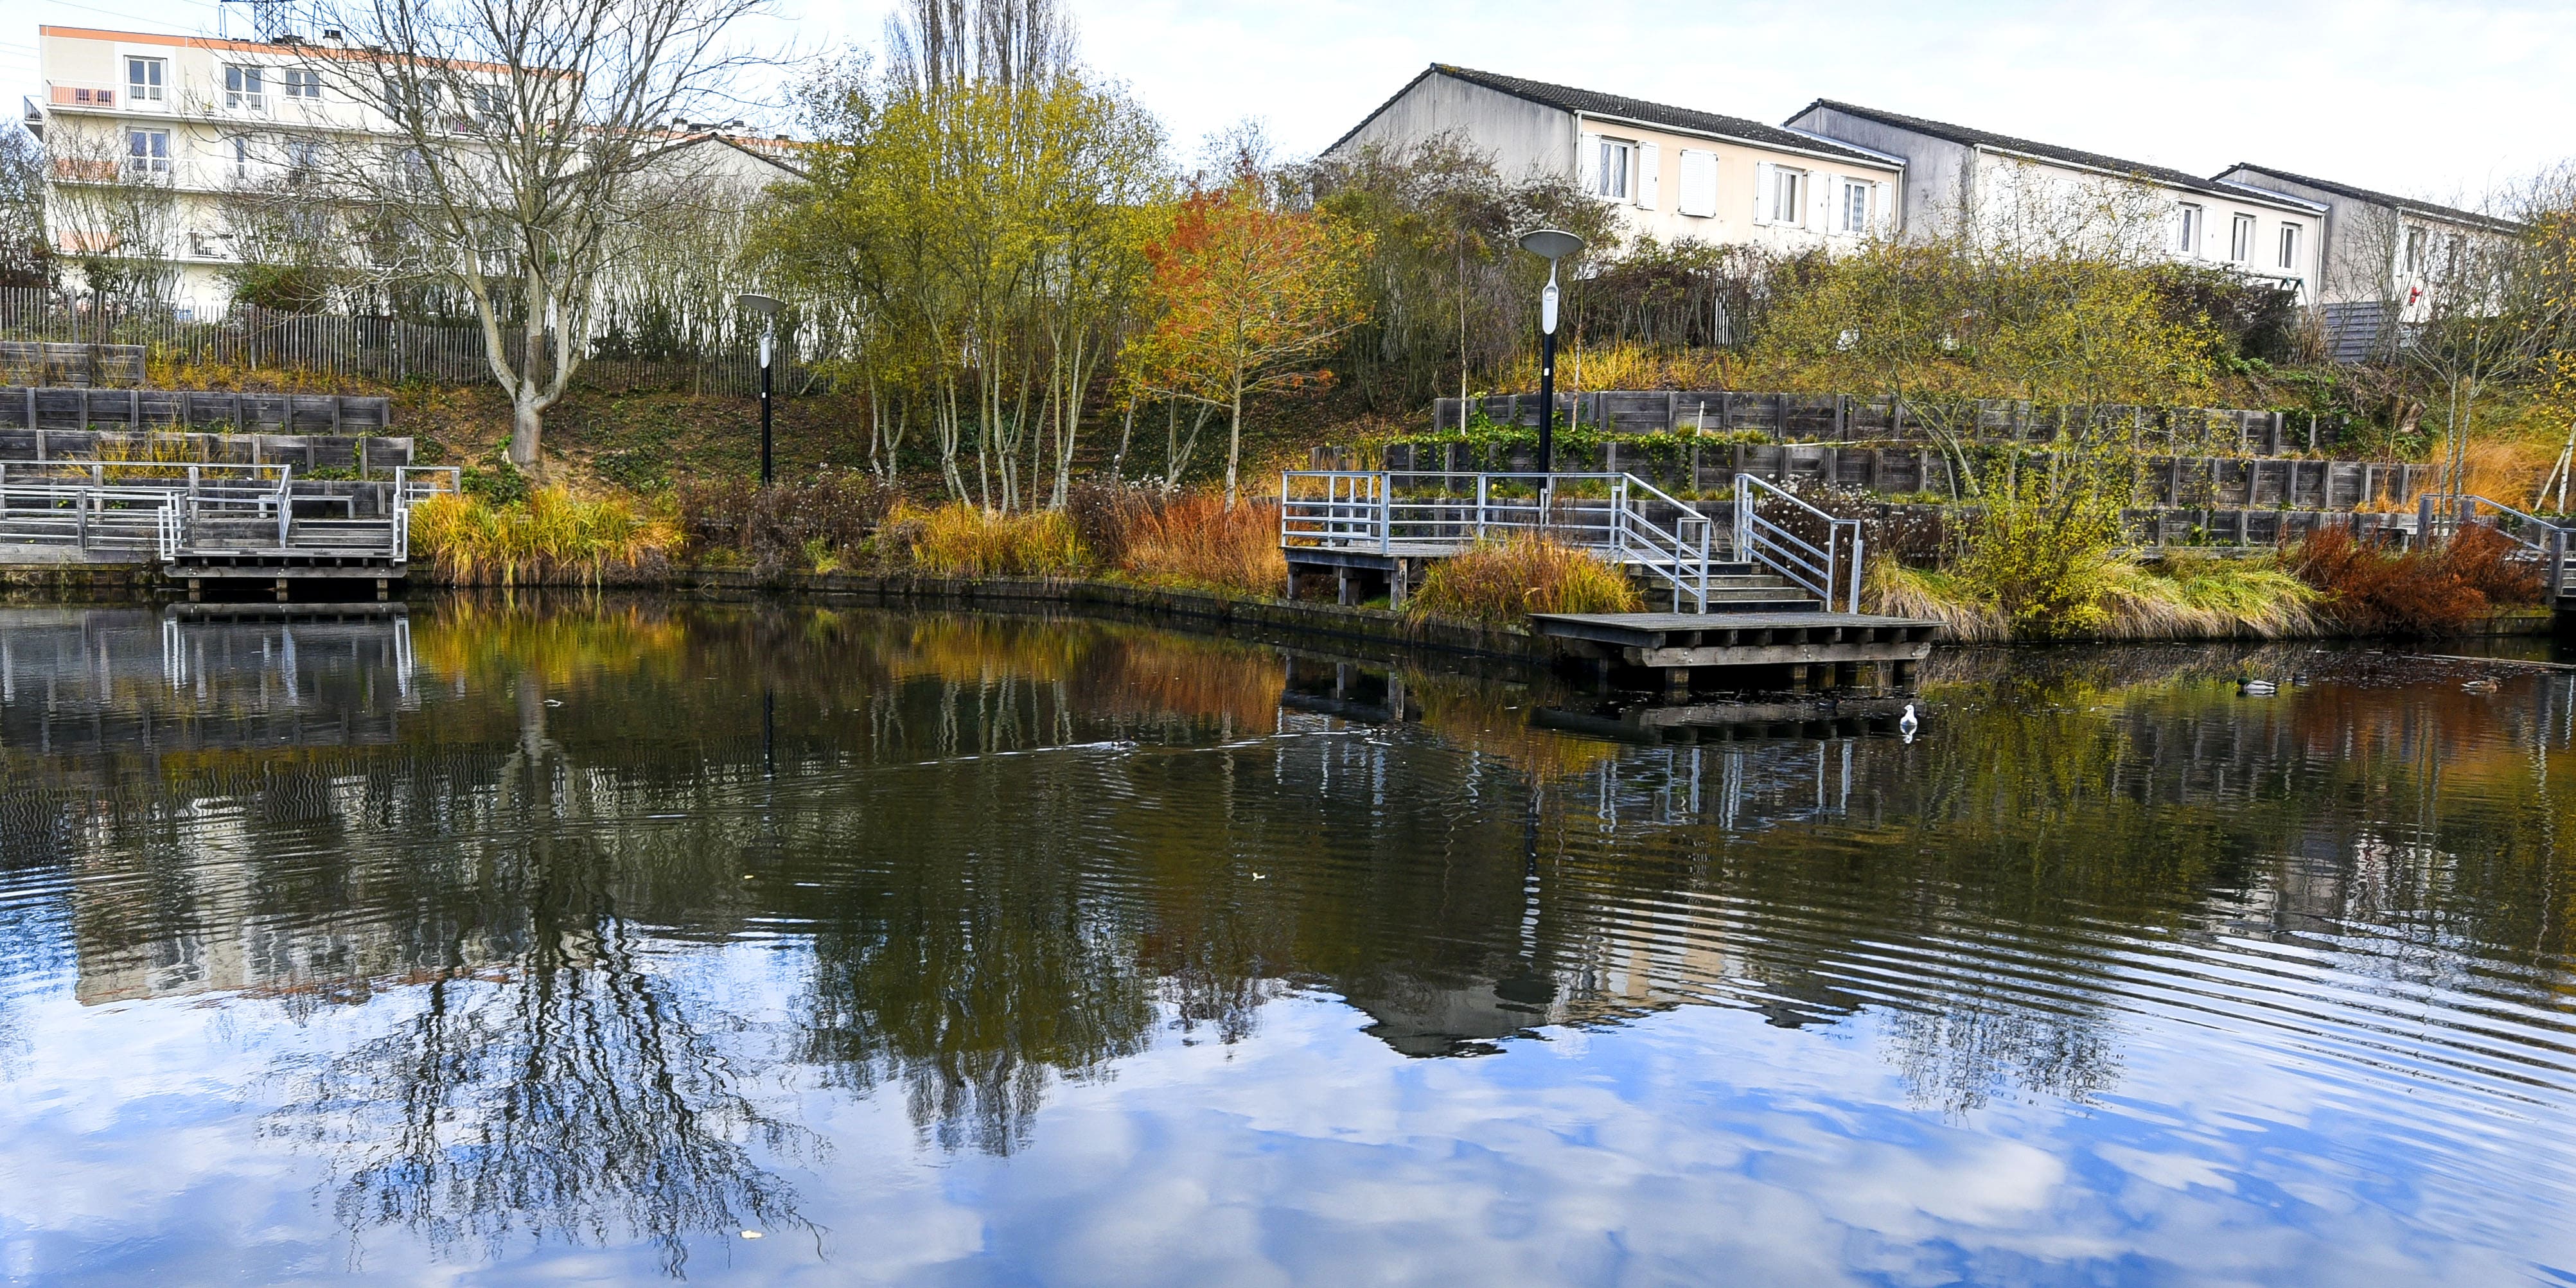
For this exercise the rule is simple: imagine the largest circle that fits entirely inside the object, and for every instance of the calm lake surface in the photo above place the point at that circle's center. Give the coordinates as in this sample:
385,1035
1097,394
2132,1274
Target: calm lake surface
583,941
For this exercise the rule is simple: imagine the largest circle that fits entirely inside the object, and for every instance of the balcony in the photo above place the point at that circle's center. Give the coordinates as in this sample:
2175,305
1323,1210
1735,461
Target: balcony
80,95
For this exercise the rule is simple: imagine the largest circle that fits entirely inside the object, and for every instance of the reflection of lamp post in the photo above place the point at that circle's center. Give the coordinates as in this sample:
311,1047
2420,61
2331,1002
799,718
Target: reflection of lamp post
1551,245
767,307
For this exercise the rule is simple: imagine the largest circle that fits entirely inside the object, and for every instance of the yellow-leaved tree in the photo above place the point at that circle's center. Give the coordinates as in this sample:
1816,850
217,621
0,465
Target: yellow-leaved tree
1241,295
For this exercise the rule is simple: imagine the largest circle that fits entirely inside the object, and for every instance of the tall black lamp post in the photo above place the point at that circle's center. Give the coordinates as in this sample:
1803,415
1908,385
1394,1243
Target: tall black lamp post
1551,245
767,307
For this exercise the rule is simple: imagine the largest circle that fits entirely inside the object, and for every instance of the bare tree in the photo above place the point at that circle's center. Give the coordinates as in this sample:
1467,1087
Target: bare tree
939,44
515,132
115,214
26,254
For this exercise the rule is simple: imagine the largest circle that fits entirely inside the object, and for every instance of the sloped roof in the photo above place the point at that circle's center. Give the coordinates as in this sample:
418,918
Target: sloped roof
2427,208
1970,137
1566,98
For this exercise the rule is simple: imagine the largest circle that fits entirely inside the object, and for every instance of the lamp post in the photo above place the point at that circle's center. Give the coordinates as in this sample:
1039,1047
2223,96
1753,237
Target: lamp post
1551,245
767,307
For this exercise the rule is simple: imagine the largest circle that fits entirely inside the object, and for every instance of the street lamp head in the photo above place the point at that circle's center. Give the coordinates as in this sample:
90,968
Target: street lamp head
1551,244
764,305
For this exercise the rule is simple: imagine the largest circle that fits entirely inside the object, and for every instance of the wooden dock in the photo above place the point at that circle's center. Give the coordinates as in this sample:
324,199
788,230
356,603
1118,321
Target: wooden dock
1812,649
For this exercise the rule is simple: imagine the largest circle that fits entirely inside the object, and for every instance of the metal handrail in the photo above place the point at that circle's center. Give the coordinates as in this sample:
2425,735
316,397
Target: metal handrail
1764,541
1359,509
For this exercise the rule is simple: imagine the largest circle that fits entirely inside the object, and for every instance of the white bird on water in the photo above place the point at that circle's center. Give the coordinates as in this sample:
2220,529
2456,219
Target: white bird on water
1906,724
2257,688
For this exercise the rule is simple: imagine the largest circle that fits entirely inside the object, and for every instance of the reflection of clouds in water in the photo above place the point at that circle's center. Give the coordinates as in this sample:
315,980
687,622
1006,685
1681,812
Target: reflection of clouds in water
1694,1145
1312,1156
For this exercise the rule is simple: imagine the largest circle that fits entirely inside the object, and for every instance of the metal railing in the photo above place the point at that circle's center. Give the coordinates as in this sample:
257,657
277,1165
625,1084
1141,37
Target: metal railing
414,484
1431,512
2535,540
177,508
1823,570
84,517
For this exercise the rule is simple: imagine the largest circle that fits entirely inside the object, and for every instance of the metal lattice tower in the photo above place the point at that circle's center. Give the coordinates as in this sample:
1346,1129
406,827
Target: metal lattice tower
268,17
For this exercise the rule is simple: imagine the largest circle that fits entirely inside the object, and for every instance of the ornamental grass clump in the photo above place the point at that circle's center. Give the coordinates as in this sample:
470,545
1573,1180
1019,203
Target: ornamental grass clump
965,540
2205,598
1500,582
553,536
1193,539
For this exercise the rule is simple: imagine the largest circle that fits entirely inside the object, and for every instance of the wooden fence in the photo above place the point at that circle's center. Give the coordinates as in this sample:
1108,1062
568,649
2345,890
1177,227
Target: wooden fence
1844,418
81,407
2191,481
106,345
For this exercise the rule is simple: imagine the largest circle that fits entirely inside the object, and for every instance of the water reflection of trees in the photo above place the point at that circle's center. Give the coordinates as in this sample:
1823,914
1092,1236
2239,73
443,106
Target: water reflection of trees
1013,847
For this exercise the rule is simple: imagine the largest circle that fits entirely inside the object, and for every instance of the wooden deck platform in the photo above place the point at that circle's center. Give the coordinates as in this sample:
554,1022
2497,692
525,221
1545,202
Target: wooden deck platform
1706,722
1813,647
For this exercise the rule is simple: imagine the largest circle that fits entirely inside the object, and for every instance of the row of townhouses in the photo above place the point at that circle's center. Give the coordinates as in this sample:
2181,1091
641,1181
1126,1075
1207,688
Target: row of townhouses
212,119
1836,173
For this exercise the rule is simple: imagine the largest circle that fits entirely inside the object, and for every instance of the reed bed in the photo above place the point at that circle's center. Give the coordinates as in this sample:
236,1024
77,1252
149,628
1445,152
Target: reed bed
2187,598
1504,581
1192,539
552,536
965,540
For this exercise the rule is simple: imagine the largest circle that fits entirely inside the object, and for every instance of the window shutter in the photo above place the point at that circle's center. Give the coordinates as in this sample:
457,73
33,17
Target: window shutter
1587,163
1699,183
1650,175
1822,188
1882,207
1766,177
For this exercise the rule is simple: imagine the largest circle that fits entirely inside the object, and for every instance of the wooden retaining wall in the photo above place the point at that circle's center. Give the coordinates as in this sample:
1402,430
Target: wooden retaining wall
2206,481
57,362
303,451
1844,418
80,408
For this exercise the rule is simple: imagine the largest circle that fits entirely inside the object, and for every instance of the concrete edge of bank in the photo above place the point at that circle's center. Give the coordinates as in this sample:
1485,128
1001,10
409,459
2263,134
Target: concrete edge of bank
1214,612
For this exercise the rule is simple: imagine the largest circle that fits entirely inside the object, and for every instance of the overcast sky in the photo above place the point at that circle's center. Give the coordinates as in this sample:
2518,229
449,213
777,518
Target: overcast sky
2436,99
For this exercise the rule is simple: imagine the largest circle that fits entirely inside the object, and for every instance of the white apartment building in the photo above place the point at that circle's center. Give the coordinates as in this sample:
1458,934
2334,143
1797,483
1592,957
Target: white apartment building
1671,172
190,121
1957,172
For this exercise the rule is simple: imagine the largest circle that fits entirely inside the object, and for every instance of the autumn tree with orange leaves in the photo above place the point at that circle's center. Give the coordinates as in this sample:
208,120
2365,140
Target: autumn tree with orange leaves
1242,296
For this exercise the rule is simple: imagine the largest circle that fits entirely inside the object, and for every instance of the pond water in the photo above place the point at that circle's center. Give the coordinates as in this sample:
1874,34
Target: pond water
585,942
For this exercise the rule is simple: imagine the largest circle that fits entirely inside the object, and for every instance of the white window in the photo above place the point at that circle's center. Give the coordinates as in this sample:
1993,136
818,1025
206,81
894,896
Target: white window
2289,245
143,79
147,151
241,156
2240,240
2414,250
483,102
303,82
2187,230
1788,197
245,88
303,158
1852,207
1611,160
1698,196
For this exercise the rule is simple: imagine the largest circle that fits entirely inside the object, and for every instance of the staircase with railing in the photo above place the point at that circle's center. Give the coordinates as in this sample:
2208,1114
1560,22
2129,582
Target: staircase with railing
1760,561
203,519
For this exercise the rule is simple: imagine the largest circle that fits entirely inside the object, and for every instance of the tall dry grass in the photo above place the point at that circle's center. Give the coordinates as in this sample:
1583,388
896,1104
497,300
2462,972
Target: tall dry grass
1895,590
2205,598
2187,598
1192,539
965,540
553,536
1504,581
